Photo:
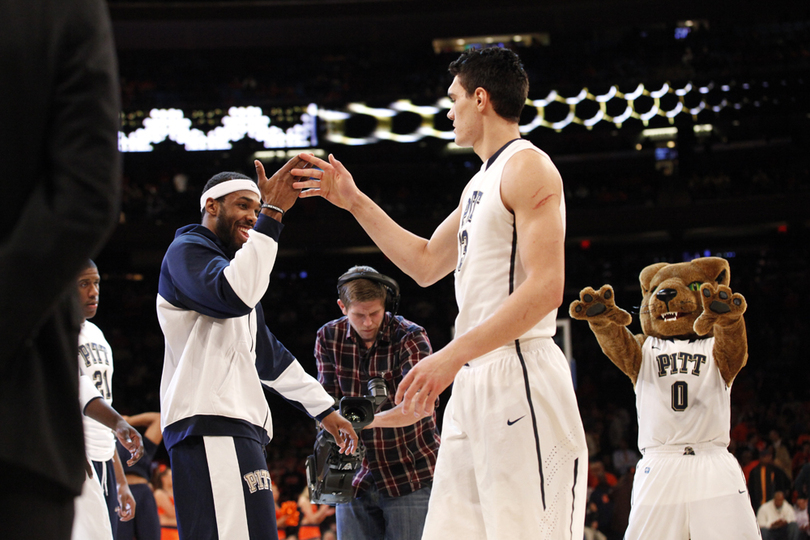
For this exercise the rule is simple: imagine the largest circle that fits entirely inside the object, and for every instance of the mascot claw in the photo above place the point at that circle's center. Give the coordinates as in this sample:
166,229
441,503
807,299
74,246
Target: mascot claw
598,307
720,306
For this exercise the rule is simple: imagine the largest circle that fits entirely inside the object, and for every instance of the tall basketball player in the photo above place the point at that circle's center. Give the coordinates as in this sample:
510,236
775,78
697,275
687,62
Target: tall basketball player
513,459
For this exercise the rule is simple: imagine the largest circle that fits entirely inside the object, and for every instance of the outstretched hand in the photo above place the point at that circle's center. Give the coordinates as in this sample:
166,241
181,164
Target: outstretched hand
343,432
330,180
278,190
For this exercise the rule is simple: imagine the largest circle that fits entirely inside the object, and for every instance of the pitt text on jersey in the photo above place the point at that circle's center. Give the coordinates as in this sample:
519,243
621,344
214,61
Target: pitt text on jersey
94,354
463,239
678,363
682,359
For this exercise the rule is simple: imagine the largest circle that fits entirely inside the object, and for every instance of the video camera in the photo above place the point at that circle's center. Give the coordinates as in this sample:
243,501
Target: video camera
330,473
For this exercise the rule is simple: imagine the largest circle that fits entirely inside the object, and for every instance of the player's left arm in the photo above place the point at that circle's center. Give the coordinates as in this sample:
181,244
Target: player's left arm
531,188
126,502
101,411
280,372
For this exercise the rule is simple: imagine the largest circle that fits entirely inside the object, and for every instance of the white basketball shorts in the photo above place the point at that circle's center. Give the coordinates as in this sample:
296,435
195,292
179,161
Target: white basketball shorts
513,462
690,491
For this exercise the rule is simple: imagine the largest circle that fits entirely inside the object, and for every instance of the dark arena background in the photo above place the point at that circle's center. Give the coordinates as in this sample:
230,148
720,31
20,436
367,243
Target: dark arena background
681,129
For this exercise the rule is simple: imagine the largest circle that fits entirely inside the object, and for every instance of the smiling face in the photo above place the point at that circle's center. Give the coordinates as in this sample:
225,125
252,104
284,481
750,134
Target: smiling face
88,283
235,215
464,114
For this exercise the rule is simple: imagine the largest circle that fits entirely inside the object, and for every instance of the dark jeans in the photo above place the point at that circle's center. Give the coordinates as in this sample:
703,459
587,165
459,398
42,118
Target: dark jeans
373,516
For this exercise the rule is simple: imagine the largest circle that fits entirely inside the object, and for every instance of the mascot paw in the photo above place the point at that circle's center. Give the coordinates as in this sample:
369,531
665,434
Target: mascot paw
720,306
598,307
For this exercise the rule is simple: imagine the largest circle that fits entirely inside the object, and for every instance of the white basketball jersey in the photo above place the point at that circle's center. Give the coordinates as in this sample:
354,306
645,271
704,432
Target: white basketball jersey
489,267
96,361
681,398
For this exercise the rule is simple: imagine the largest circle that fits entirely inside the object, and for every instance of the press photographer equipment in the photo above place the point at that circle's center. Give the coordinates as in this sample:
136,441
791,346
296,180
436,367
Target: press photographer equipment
330,473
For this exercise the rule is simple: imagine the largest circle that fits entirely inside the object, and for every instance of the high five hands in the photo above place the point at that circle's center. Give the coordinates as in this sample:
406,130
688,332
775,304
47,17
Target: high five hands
279,189
327,179
419,390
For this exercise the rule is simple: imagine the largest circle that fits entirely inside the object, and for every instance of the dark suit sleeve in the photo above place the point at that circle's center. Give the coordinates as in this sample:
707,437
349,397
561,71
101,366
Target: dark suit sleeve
60,162
60,177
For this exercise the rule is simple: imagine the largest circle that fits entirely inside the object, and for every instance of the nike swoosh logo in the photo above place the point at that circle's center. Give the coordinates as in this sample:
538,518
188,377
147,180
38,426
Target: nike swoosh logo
510,422
741,491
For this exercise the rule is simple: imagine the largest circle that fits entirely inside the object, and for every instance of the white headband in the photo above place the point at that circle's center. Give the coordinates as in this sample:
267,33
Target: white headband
227,187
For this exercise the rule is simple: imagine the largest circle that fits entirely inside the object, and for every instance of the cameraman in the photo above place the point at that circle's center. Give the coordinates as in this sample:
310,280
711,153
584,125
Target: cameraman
394,480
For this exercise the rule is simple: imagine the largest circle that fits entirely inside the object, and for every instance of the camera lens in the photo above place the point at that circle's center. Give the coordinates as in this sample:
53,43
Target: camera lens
354,415
376,387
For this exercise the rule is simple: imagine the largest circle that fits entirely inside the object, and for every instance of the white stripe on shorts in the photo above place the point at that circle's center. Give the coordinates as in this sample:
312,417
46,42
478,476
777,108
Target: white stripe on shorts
226,486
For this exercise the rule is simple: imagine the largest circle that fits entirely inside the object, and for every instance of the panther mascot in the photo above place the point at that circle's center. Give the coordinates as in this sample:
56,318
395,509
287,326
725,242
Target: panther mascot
692,346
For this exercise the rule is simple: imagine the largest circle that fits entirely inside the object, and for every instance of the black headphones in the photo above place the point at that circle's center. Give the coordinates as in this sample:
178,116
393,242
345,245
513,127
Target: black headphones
391,286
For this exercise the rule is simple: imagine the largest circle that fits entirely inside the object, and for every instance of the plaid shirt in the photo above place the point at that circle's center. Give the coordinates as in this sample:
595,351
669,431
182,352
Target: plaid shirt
398,460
